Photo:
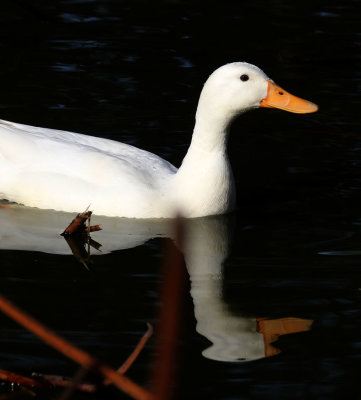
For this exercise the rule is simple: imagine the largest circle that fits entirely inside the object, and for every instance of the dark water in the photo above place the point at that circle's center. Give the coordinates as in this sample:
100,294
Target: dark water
132,71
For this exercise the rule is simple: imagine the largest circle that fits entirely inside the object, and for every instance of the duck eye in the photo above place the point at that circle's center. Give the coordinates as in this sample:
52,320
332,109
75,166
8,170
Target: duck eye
244,78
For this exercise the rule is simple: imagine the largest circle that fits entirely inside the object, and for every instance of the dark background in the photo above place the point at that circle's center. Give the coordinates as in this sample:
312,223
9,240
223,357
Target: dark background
132,71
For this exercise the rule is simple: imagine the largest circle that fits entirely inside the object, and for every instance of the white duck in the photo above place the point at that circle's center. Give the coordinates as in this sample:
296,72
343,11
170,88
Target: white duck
67,171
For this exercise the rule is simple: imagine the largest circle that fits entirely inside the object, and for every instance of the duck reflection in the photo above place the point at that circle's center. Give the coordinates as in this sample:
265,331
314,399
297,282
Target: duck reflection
207,244
234,337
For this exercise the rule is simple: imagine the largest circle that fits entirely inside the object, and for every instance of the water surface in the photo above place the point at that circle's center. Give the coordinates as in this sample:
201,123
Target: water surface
285,268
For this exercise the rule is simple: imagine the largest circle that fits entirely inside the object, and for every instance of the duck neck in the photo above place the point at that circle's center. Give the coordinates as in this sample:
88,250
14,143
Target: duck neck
204,183
210,135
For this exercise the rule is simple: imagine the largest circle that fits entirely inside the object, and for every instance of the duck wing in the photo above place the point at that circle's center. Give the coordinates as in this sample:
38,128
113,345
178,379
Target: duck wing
50,168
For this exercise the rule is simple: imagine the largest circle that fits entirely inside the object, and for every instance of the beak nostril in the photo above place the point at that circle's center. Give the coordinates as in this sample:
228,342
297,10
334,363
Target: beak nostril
281,93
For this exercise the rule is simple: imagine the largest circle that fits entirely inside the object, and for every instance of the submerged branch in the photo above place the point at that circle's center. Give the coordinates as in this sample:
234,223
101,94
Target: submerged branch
77,225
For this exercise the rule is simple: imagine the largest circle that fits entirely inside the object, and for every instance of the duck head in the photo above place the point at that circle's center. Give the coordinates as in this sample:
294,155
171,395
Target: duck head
238,87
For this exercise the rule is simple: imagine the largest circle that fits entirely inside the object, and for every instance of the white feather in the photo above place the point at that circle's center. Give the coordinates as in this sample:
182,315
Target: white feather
67,171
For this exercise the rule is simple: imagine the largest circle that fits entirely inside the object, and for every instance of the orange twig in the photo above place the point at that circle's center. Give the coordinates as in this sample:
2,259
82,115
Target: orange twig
135,353
8,376
62,381
170,319
81,357
72,386
41,381
133,356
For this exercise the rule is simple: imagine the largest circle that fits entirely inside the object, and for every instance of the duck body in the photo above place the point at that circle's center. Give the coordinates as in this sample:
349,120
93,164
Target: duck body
66,171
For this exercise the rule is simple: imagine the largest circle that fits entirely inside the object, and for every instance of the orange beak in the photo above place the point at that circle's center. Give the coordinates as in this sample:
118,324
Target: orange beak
279,98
